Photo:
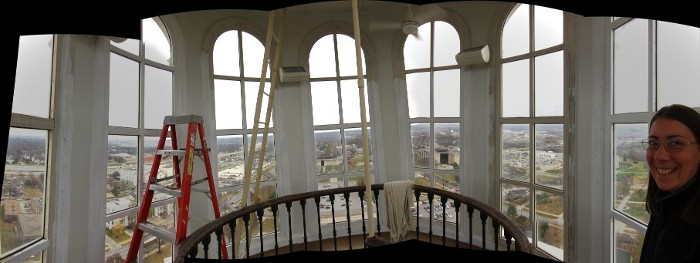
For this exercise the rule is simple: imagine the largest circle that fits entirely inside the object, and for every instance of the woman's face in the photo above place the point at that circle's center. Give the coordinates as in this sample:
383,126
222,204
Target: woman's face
672,169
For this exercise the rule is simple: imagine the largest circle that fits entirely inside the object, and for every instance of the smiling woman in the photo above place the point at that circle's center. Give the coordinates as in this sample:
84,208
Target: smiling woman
673,198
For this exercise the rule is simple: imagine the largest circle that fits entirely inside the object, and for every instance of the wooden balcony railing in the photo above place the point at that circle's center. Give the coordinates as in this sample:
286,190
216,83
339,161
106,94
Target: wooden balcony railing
512,237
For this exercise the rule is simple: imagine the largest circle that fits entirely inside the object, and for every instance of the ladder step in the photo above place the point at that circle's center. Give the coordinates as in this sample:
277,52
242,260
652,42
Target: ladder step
164,189
199,182
200,190
179,153
157,231
166,178
185,119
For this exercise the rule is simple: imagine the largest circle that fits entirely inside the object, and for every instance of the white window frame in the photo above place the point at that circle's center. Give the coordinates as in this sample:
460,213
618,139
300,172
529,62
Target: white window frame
24,121
567,189
611,119
140,132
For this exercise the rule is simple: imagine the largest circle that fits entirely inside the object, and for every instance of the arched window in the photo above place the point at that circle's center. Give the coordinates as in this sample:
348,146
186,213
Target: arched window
433,94
337,125
531,125
648,73
237,65
140,96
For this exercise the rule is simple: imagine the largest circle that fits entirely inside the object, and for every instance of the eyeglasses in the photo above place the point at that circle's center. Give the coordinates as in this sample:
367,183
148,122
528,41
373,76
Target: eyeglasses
671,145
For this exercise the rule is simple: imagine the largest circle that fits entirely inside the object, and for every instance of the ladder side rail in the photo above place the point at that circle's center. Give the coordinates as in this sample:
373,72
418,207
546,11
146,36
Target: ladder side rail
212,187
251,151
261,91
176,159
369,178
146,201
270,101
183,200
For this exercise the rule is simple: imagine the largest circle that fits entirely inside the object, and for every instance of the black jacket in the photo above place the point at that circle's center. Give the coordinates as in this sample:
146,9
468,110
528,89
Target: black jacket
668,238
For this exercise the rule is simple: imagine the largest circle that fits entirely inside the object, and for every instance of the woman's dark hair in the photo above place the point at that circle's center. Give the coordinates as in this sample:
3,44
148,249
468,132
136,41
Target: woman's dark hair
691,119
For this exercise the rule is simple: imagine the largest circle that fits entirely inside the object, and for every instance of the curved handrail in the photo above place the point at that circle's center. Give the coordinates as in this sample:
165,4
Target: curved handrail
522,243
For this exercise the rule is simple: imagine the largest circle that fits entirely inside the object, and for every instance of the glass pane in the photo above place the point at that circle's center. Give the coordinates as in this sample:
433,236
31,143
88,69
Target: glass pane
550,223
418,94
447,181
32,95
423,178
447,150
416,52
350,94
129,45
226,58
158,97
267,192
23,188
229,201
420,140
330,183
324,100
356,180
446,93
117,238
549,27
156,42
549,155
329,208
155,249
268,169
628,243
123,92
230,160
165,169
122,172
516,33
329,157
227,102
347,57
516,152
515,204
251,102
516,89
678,58
549,84
631,170
440,211
355,212
355,151
253,56
322,58
446,45
631,67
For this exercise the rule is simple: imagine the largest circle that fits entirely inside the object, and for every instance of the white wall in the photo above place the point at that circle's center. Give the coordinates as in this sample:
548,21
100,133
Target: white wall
82,92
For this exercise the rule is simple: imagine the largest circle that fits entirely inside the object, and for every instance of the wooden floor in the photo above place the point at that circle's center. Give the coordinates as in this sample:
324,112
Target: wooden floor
413,249
357,242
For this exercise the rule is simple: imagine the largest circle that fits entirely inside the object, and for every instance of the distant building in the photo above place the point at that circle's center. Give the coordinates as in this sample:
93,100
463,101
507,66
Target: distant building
335,161
421,154
446,156
30,226
12,209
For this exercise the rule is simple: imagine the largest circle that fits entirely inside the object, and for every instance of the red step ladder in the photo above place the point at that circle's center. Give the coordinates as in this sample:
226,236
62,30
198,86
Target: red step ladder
181,188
